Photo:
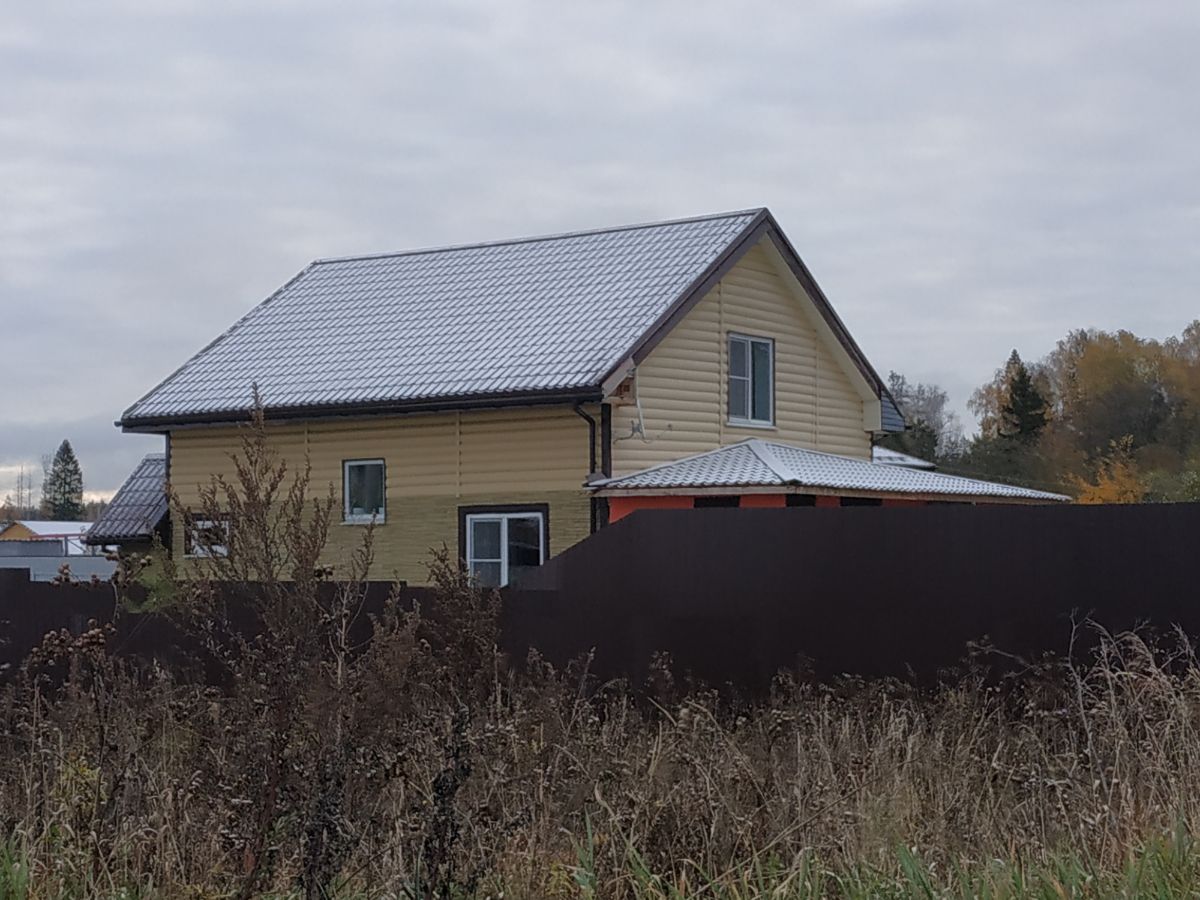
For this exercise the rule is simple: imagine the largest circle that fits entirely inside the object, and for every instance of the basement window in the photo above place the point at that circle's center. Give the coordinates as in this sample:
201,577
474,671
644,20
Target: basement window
751,380
500,546
363,484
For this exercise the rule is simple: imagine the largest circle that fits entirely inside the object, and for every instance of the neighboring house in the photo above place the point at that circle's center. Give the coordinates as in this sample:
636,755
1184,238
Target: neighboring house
67,537
137,513
479,397
44,548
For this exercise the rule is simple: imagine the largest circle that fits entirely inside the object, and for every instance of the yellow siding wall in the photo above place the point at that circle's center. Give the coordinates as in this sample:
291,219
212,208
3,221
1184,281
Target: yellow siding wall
435,463
681,383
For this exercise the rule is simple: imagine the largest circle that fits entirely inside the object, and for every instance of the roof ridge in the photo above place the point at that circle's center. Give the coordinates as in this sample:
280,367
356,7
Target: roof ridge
766,455
538,238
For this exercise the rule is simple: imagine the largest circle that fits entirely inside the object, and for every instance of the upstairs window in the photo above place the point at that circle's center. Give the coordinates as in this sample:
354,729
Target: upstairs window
751,380
363,483
502,545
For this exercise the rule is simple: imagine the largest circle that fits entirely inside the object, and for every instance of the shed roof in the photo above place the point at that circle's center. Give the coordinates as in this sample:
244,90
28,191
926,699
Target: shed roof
49,529
544,319
137,508
758,463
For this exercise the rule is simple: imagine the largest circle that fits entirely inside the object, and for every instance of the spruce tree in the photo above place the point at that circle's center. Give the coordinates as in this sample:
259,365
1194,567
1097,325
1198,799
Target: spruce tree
62,489
1023,415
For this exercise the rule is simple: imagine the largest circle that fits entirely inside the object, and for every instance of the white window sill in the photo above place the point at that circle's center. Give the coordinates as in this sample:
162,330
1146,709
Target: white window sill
364,520
741,423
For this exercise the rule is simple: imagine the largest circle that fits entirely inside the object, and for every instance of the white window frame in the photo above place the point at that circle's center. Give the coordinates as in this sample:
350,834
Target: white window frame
503,518
748,420
194,549
350,518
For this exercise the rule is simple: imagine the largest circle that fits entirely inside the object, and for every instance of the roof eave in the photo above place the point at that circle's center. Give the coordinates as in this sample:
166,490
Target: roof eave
160,424
819,490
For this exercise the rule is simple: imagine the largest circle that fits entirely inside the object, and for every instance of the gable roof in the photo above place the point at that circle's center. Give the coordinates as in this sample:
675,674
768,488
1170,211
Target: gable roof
543,319
137,507
758,463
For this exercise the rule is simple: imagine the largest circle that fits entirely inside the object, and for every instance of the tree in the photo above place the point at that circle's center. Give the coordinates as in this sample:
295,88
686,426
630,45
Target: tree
1023,413
1117,479
62,489
1012,404
933,430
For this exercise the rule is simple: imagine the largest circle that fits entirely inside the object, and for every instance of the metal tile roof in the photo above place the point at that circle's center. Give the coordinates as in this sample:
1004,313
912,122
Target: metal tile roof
535,315
137,508
883,456
758,463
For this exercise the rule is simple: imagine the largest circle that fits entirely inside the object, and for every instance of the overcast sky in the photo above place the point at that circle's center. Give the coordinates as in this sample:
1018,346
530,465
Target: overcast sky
962,178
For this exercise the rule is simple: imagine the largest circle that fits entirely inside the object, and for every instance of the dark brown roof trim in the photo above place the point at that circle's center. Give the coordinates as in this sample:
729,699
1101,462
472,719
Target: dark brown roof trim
699,288
804,276
152,424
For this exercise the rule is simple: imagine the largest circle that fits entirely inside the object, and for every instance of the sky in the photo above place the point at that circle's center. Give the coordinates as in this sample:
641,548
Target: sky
961,177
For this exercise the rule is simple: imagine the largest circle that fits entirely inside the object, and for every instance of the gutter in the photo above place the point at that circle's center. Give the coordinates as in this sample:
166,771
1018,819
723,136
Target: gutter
156,424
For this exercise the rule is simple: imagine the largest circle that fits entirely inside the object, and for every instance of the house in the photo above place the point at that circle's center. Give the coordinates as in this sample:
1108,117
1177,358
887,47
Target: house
67,537
46,547
490,397
137,513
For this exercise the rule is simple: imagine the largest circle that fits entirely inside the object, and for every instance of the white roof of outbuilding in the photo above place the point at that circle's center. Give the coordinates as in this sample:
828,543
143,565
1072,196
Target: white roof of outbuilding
544,319
51,529
758,463
884,456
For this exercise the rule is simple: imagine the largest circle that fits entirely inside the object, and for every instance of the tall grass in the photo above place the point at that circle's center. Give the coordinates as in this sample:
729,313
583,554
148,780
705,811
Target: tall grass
125,781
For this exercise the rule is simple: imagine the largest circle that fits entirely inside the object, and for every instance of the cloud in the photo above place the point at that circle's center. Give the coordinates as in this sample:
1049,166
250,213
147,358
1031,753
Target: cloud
962,178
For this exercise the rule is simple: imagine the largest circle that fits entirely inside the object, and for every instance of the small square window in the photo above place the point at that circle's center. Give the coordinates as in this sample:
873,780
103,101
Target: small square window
363,490
751,380
206,538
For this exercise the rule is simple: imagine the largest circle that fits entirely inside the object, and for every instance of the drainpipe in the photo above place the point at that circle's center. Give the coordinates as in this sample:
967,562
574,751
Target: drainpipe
591,438
605,440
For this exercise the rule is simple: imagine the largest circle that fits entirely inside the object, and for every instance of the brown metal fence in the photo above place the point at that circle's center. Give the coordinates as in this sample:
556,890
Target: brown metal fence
736,594
733,595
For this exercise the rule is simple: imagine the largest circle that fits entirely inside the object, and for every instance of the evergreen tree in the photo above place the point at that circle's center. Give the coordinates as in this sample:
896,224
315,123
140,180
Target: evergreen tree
62,488
1023,415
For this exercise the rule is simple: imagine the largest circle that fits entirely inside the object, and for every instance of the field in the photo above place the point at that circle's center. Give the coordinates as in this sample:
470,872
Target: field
426,765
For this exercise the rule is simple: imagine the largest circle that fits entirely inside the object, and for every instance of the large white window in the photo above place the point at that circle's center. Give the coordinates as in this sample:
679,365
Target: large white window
751,380
502,545
363,483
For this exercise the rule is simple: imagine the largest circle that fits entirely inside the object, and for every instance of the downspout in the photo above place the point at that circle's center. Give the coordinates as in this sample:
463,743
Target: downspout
591,438
605,440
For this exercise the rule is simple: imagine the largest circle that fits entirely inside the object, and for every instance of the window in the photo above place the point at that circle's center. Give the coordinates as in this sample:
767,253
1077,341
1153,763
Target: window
862,501
500,545
751,377
801,500
719,501
205,538
363,490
